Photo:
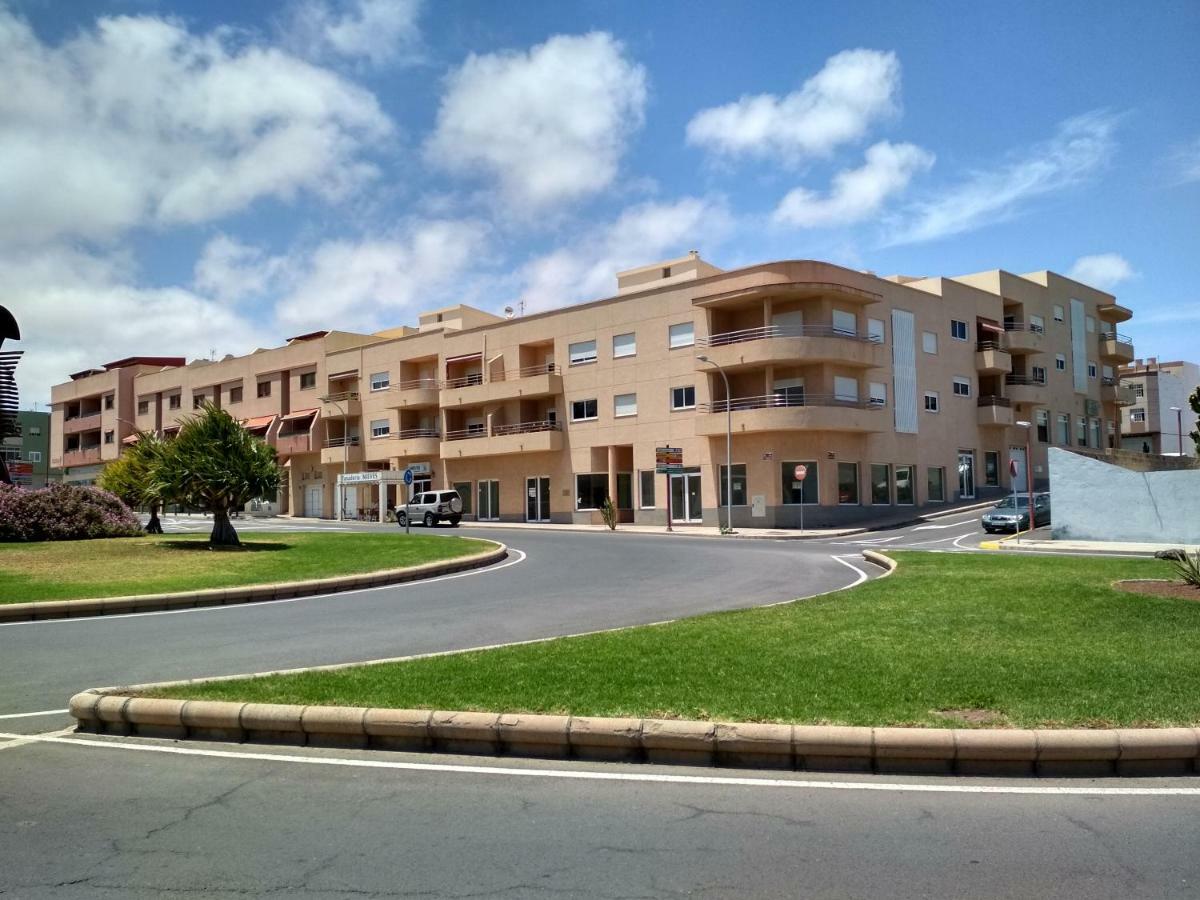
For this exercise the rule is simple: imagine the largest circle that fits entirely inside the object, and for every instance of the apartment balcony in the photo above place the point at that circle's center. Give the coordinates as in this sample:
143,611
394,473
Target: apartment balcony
293,444
1114,312
415,394
777,412
88,456
520,437
994,412
89,422
517,384
1024,388
752,347
1116,348
1023,338
992,359
1112,391
413,442
344,404
342,449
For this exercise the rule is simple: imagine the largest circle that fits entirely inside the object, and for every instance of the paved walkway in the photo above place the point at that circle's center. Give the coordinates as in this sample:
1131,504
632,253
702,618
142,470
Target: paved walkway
1146,549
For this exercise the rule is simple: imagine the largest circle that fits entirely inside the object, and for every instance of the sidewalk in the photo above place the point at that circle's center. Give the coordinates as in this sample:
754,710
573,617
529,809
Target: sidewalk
1052,546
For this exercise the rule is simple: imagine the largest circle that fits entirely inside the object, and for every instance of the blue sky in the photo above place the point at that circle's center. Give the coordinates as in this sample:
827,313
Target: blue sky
188,177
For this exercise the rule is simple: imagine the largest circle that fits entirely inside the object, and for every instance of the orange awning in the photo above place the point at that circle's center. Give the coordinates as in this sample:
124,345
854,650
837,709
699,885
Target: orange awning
261,423
130,439
298,414
990,325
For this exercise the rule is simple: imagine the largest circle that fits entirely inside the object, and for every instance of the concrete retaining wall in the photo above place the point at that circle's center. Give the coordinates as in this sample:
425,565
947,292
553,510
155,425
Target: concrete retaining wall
1097,501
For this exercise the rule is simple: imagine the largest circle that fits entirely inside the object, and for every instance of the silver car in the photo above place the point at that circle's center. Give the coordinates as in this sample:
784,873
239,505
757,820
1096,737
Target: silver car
431,508
1009,516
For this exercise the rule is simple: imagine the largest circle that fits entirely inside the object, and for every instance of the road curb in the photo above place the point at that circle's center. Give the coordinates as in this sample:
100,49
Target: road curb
826,748
253,593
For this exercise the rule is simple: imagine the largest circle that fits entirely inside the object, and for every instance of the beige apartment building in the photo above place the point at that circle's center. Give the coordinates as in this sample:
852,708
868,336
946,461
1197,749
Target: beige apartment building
1159,419
892,392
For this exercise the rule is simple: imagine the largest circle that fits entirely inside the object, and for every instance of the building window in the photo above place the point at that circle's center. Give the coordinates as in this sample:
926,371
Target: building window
929,341
931,401
1081,431
904,486
739,484
1058,313
646,488
1038,324
590,491
380,381
624,345
174,402
197,400
1139,391
582,352
624,405
1137,415
1043,426
797,492
264,389
624,490
682,335
875,330
143,407
935,483
844,322
683,397
962,387
380,428
235,394
108,401
790,389
1092,369
877,391
1064,430
666,272
845,388
958,330
308,380
848,484
1039,374
1060,362
1094,428
991,468
881,484
1091,324
583,410
35,455
109,437
35,430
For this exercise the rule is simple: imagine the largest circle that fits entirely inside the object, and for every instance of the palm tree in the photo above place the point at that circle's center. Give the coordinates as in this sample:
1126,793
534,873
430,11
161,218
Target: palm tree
216,465
133,477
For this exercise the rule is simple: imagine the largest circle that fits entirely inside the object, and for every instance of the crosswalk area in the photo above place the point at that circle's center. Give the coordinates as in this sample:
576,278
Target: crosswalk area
203,524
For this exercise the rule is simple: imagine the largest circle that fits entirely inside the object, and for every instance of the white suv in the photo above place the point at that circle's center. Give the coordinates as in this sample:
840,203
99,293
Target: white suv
430,508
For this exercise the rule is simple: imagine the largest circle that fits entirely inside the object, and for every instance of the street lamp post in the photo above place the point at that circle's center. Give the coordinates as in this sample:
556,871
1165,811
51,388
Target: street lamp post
1178,410
1028,426
341,500
728,443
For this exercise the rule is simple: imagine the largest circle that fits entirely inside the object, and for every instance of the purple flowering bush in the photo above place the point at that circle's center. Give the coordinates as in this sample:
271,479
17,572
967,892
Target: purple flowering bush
63,512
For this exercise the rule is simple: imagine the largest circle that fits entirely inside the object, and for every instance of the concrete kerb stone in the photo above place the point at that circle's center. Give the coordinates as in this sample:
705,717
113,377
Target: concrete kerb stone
679,742
334,726
755,745
534,735
881,560
398,729
465,732
605,739
63,609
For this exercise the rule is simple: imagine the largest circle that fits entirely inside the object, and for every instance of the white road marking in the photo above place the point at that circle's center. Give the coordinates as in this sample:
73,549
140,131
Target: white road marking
941,540
42,712
862,576
938,527
588,775
20,740
870,542
522,556
964,537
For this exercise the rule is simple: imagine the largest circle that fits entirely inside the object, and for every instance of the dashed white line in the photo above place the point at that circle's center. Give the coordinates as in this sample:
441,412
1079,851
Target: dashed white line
40,712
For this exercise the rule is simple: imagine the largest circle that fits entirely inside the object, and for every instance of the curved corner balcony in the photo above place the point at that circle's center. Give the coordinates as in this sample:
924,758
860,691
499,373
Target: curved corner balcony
752,347
994,411
1116,348
1024,337
779,412
1025,388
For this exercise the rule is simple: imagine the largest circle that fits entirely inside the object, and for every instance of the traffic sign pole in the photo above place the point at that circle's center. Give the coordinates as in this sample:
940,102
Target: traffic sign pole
408,480
1012,473
801,472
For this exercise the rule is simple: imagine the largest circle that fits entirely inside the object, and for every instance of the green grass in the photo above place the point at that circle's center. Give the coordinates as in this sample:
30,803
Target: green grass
1038,641
72,570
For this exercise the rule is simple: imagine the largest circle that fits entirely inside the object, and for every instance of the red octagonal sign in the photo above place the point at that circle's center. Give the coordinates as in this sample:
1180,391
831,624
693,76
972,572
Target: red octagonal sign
800,472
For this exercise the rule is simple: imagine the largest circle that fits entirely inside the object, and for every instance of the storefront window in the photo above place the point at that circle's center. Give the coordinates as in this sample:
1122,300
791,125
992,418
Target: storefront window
848,483
795,491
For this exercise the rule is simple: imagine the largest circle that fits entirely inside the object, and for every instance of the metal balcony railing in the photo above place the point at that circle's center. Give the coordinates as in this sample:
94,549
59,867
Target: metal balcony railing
527,372
1025,326
783,331
413,434
417,384
464,381
1110,381
992,400
351,441
462,434
526,427
341,396
1114,336
774,401
991,345
1025,379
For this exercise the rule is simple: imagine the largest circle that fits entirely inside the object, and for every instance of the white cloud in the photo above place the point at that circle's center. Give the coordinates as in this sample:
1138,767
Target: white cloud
77,311
854,89
1080,147
549,126
1103,271
382,282
1185,162
856,193
231,270
379,31
586,268
140,122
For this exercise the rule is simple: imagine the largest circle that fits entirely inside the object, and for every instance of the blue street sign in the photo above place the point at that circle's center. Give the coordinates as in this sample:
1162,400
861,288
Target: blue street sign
408,476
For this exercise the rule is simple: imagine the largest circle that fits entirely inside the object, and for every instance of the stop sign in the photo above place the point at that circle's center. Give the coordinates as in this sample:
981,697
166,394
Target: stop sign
800,472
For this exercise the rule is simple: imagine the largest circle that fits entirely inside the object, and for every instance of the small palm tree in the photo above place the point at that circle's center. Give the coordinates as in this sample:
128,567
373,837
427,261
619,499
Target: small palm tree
133,477
216,465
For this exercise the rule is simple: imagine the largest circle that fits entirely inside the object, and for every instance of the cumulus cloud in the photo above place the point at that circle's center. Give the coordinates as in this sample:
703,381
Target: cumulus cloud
1103,271
548,126
378,31
1185,162
586,268
79,310
853,90
231,270
379,282
137,121
856,193
1078,150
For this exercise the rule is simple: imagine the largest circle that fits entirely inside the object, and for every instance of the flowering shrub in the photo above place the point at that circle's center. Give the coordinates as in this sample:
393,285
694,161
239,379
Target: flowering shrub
63,512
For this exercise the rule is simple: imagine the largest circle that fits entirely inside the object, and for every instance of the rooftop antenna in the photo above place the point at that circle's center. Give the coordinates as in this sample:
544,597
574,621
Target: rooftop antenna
212,353
508,312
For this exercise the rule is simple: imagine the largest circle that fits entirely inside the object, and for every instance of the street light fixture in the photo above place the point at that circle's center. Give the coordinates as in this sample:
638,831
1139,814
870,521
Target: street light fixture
1178,410
1028,426
728,443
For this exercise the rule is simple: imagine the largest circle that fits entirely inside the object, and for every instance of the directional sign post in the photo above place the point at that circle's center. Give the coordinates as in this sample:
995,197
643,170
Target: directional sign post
801,472
668,461
408,480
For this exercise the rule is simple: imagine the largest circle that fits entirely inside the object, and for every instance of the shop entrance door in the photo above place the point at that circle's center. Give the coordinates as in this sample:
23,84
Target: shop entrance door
685,498
537,499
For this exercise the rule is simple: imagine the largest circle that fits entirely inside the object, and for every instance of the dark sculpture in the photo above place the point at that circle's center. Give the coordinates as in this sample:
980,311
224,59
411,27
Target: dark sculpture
8,385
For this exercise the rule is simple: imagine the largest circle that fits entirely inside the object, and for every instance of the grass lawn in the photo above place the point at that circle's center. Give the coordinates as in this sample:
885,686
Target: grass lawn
1027,641
72,570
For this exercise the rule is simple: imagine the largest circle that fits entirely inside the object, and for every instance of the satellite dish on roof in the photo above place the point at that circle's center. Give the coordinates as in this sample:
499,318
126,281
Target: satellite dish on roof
508,312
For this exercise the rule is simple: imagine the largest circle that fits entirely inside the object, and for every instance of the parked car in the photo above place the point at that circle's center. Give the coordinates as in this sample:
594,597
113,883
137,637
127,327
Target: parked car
431,508
1007,516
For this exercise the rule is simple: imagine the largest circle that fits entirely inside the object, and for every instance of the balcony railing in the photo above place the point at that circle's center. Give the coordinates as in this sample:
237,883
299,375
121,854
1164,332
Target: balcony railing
783,331
82,415
1114,336
464,381
1025,379
1110,381
993,401
526,427
989,345
462,434
351,441
413,434
341,396
418,384
527,372
1025,326
772,401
